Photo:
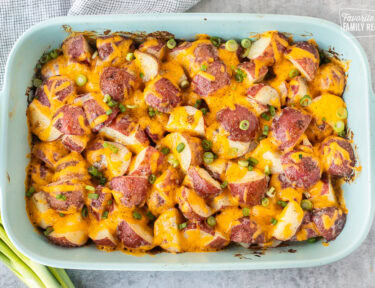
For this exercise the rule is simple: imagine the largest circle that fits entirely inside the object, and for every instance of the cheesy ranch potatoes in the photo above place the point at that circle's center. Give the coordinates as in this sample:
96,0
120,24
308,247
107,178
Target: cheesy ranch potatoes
188,145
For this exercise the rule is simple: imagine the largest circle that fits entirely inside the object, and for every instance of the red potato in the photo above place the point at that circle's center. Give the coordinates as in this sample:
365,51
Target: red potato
65,196
298,88
212,79
148,64
329,222
40,174
269,47
114,48
305,57
71,167
198,235
267,155
230,120
307,229
330,78
129,191
117,82
104,203
322,194
338,157
248,187
191,155
75,143
203,184
95,111
49,152
192,205
167,234
288,221
301,169
52,68
223,200
126,131
148,161
162,95
40,213
76,48
255,72
186,119
288,127
101,236
56,89
162,196
155,47
217,168
205,53
71,120
41,122
112,158
264,95
318,132
69,231
247,232
135,235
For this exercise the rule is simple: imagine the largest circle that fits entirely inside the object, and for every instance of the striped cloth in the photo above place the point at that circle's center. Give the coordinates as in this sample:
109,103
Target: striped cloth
16,16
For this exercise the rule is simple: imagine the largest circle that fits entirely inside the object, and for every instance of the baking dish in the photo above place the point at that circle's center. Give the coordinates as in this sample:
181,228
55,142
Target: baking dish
14,147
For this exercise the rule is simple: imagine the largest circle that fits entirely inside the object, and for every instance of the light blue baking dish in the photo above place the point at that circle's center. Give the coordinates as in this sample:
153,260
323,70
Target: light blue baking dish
14,148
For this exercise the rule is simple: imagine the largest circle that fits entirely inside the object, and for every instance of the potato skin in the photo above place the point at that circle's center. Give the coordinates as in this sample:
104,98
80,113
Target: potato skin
246,232
330,78
202,182
129,237
132,190
249,192
339,165
76,48
334,214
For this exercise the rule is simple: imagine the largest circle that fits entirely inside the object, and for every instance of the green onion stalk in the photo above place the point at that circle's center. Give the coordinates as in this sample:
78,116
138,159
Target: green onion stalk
29,272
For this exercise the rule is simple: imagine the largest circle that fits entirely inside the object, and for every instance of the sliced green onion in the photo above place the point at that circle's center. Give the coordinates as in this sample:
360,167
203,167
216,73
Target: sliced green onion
244,125
339,126
165,150
239,75
204,67
93,171
105,215
122,108
131,106
204,111
171,43
45,58
224,185
245,211
61,214
206,144
312,240
272,110
342,113
208,157
305,101
141,75
273,221
293,73
151,112
48,231
266,129
282,203
182,225
198,103
112,147
130,56
246,43
184,84
324,119
30,192
107,98
53,54
231,45
216,41
180,147
84,211
253,161
94,54
112,103
271,192
245,53
250,168
37,82
265,116
243,163
103,180
342,134
267,170
211,221
90,188
94,196
306,204
61,197
150,216
265,202
173,161
137,215
300,156
81,80
108,112
152,178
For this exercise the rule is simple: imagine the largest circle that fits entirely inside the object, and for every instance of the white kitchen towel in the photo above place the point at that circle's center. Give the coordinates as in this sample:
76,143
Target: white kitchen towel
16,16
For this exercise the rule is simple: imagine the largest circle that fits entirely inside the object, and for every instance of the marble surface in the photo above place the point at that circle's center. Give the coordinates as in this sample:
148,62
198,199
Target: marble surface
356,270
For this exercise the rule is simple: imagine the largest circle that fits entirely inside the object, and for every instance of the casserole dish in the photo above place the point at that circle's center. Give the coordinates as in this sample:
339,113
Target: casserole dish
15,148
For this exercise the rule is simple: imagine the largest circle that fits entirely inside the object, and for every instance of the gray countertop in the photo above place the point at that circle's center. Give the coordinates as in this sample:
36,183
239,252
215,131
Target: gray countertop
356,270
